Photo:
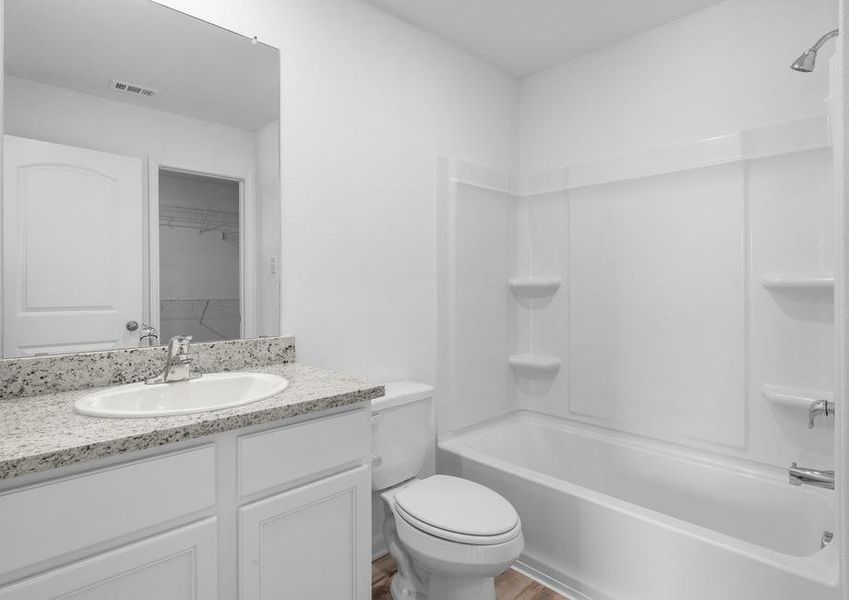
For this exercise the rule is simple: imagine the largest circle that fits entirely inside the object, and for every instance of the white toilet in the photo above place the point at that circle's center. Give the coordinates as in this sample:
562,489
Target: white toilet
449,536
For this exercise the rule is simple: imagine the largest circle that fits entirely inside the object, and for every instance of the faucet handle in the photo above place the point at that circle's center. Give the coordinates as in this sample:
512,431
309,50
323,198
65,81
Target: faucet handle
178,348
180,343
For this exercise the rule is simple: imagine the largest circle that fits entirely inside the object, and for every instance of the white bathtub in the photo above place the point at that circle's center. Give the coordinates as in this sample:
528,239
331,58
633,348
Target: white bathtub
608,516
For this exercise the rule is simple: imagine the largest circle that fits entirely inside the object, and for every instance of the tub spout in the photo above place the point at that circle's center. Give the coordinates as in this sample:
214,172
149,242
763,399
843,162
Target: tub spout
820,408
804,476
827,538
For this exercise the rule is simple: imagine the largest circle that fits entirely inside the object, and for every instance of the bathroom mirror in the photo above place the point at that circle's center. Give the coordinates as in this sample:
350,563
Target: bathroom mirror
141,187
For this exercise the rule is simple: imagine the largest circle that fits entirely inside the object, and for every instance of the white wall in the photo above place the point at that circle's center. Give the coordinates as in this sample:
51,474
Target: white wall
367,103
63,116
719,70
268,212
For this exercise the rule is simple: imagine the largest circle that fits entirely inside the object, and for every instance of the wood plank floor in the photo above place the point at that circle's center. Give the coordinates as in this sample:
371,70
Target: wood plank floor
511,585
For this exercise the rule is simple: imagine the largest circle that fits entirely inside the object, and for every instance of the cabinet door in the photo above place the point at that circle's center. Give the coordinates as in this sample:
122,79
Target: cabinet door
311,543
178,565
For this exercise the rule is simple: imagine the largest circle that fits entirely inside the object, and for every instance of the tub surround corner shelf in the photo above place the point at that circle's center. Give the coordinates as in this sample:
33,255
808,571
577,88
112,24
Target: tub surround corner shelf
535,285
822,281
792,397
531,362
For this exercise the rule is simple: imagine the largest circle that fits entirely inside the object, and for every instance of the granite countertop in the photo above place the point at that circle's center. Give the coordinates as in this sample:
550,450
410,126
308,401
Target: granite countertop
43,432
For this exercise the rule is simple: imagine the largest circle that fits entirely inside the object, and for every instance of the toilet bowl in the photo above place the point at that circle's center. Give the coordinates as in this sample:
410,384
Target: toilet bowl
450,537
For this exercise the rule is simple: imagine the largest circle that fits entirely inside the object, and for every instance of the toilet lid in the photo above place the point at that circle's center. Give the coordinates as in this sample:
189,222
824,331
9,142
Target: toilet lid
453,505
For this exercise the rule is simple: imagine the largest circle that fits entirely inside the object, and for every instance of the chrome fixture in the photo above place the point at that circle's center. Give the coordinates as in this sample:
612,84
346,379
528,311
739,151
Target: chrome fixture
808,60
823,408
149,336
804,476
826,539
178,363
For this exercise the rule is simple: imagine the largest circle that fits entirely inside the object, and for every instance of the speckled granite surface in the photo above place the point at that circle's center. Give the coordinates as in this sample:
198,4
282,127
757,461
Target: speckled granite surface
31,376
43,432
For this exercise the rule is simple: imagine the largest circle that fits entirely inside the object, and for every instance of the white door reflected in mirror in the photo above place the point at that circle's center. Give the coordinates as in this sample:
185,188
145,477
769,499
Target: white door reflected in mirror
72,248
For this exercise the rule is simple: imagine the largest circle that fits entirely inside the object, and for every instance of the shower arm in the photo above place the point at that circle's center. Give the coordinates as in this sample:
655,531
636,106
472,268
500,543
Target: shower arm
821,42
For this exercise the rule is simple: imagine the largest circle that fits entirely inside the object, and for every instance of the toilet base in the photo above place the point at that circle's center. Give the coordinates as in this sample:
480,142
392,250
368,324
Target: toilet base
406,584
441,587
400,589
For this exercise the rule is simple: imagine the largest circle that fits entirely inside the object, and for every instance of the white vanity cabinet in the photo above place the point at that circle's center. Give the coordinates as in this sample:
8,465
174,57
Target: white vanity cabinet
311,543
274,511
180,564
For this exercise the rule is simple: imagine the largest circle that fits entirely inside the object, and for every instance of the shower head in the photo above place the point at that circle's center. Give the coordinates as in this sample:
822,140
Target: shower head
808,60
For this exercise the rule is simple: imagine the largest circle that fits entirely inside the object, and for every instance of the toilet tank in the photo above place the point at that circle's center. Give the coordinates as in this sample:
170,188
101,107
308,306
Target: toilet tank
403,432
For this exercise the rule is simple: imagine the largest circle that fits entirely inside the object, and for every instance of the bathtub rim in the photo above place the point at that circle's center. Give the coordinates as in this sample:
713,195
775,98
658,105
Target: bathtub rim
821,566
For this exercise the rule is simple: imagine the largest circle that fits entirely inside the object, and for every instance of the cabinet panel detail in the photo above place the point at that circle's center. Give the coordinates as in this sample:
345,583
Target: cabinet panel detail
178,565
51,519
311,543
272,458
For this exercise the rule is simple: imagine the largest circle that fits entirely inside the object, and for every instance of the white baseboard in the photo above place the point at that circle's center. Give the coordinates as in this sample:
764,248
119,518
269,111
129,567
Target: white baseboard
550,582
378,548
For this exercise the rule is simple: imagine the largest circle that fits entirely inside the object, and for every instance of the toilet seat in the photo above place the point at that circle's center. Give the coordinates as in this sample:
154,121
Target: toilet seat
456,559
458,510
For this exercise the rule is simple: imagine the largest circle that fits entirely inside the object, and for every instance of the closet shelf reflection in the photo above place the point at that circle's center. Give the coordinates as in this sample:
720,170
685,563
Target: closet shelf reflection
202,219
198,309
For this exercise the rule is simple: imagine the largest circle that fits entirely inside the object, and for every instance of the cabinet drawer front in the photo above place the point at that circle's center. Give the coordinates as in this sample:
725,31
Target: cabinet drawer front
47,520
272,458
179,565
310,543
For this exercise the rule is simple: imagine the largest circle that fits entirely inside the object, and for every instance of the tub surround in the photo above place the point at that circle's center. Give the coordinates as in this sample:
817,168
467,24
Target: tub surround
42,432
33,376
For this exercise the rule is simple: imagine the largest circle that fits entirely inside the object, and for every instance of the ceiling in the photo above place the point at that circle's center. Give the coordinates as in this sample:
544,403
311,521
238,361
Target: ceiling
526,36
199,70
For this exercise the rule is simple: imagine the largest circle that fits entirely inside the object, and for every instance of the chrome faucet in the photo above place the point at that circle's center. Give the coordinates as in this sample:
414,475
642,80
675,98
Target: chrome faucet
819,408
178,363
804,476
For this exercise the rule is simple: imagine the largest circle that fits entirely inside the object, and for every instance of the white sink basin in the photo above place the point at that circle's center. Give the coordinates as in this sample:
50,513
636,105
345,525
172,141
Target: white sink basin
210,392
